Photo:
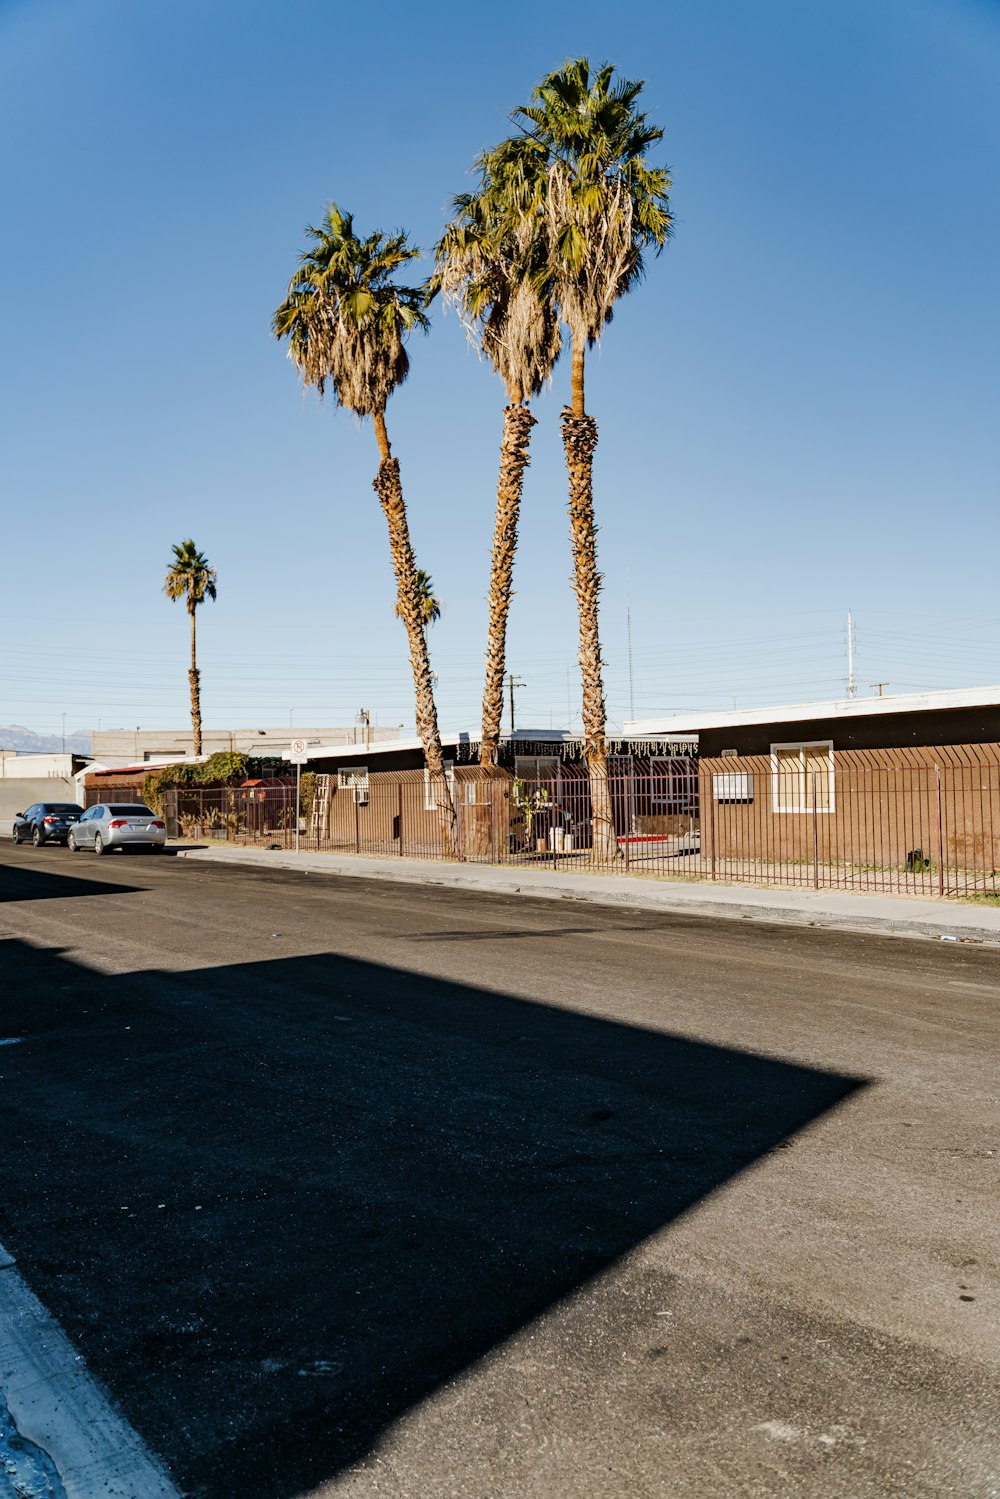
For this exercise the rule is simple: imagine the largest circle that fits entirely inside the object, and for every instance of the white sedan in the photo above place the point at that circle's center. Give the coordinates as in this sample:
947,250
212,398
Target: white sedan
112,825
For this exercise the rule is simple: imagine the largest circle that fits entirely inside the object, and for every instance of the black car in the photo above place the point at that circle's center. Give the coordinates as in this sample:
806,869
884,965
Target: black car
46,822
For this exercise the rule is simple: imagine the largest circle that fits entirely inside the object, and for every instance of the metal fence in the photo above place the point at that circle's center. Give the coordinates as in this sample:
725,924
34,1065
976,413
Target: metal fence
925,830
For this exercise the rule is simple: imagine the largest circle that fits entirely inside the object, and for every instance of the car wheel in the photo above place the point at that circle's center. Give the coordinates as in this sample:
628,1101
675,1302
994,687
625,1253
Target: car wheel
15,837
36,838
71,844
100,847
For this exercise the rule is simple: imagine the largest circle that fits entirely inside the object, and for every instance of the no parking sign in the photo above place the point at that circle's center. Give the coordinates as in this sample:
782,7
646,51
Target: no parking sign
298,755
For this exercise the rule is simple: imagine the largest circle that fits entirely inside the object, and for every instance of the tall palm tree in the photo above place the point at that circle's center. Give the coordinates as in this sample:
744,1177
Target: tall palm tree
346,319
581,167
430,604
492,265
189,577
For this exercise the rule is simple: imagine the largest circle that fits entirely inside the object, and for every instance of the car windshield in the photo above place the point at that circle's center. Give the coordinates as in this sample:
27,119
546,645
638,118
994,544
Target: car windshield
135,810
63,807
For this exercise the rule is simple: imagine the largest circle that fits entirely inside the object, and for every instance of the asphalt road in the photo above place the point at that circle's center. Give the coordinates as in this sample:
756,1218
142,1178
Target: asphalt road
345,1188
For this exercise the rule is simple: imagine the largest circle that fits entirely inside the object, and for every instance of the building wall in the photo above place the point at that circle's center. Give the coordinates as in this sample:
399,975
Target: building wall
131,746
16,795
491,812
390,816
125,787
394,817
388,760
939,804
14,767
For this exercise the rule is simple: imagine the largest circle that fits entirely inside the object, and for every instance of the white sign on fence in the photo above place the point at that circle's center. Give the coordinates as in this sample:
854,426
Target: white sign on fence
733,787
299,752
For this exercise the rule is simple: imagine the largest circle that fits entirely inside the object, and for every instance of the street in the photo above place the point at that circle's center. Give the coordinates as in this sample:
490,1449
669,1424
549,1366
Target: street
348,1188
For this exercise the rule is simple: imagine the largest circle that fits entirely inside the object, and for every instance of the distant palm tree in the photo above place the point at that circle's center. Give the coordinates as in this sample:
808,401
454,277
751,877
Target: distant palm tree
189,577
580,166
346,320
492,265
430,605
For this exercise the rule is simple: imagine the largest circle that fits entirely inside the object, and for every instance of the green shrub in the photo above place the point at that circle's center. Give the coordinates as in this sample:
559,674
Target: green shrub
223,769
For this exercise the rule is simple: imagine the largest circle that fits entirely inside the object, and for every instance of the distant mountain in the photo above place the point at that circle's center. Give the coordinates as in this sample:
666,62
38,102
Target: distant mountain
15,736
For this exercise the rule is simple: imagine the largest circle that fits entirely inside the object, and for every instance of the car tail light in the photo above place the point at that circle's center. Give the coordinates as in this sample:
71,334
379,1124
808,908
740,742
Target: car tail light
156,823
50,819
119,822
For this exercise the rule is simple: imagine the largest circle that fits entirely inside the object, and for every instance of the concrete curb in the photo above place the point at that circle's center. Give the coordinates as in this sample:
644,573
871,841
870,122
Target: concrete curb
58,1409
832,910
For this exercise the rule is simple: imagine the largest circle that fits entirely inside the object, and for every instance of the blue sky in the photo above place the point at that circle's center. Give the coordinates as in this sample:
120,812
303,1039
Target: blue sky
798,410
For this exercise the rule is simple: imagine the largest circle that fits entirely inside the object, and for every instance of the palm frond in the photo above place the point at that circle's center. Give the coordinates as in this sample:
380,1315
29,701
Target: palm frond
429,605
190,576
346,318
604,206
492,266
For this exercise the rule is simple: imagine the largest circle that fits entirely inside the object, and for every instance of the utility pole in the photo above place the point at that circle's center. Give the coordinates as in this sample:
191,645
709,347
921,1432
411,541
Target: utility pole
852,686
631,682
513,682
880,685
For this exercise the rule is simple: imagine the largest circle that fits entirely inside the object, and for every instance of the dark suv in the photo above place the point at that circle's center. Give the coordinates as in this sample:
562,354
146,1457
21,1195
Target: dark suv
46,822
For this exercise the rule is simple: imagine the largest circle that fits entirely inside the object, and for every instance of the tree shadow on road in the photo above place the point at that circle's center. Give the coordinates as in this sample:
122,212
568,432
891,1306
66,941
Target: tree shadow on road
277,1204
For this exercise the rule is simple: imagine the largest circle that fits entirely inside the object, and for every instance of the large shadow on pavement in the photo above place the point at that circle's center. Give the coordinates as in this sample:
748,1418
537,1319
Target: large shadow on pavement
276,1204
32,883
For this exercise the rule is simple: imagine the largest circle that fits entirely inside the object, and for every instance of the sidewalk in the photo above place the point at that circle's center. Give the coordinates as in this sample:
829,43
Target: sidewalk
893,915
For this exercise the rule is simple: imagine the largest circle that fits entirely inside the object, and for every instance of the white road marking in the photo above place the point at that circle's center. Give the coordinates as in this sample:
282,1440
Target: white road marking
59,1407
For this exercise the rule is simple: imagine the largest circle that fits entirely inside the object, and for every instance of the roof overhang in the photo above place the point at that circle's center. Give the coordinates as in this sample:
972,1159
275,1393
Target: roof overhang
448,741
858,707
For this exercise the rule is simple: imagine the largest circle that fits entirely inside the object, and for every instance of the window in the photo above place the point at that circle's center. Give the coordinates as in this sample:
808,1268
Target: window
536,767
795,770
354,778
430,802
673,784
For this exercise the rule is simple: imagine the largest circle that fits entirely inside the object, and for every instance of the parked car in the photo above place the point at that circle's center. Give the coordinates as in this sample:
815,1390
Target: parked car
45,822
112,825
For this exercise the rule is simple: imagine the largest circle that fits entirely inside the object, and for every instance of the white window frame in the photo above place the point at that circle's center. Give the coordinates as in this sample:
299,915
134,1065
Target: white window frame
521,760
430,805
354,778
777,774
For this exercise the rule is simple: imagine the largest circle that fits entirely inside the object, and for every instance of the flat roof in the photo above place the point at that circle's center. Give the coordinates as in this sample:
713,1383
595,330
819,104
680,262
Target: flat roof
850,707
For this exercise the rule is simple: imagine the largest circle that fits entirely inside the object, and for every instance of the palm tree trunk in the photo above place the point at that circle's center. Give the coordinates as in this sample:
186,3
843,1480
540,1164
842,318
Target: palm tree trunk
517,424
576,376
580,439
194,682
390,492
